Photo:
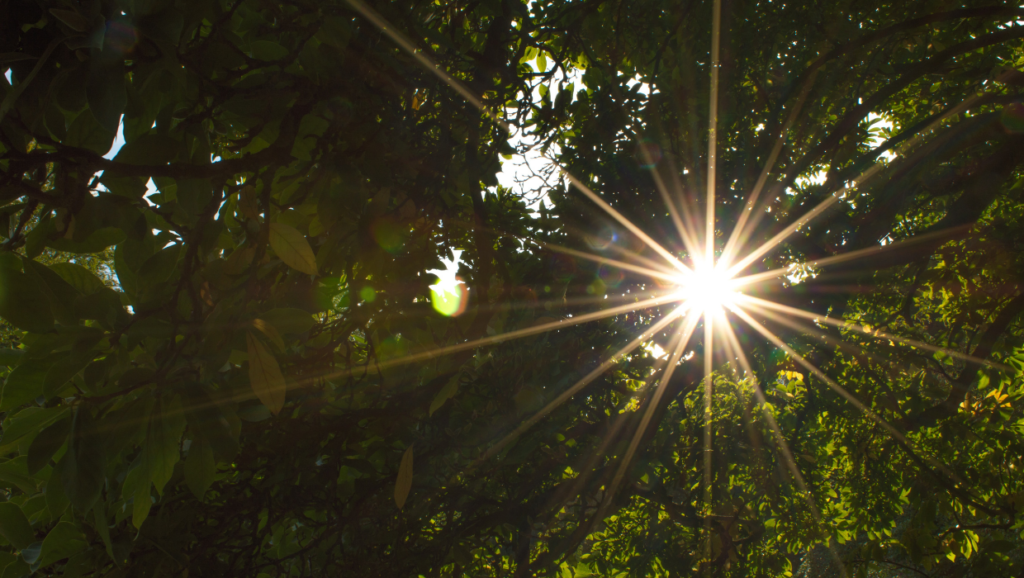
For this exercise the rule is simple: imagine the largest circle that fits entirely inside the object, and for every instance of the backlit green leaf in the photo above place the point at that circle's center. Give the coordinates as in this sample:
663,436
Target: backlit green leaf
291,246
265,375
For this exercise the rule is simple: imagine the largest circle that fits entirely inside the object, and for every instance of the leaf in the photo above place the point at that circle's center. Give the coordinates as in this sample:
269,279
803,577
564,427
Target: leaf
289,320
163,442
31,554
97,241
211,421
10,357
82,279
248,204
291,246
265,375
56,498
149,149
62,370
200,467
105,89
445,394
62,295
404,482
82,464
86,132
136,488
270,332
31,420
103,529
14,473
63,541
23,302
14,525
72,20
24,384
267,50
46,444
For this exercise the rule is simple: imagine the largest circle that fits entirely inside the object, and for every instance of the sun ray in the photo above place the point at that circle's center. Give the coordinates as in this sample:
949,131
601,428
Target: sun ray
689,242
681,339
709,390
644,260
868,412
605,260
621,219
867,252
576,387
709,228
611,435
738,236
519,333
842,324
695,306
780,442
850,188
405,44
788,230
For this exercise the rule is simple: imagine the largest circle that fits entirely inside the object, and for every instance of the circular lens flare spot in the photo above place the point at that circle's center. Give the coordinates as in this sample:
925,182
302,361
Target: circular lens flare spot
450,301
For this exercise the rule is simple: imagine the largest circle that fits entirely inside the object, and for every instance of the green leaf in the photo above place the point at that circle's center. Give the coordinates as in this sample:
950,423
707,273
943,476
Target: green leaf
445,394
265,375
194,195
62,295
56,498
46,444
270,332
82,464
61,371
97,241
14,473
200,467
86,132
105,88
29,421
63,541
163,442
18,568
10,357
289,320
14,525
72,20
211,421
24,384
103,529
24,303
136,488
103,306
31,554
403,484
82,279
291,246
149,149
267,50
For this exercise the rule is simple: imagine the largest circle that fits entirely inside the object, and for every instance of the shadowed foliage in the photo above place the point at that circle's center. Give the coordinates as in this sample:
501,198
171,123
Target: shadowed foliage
222,355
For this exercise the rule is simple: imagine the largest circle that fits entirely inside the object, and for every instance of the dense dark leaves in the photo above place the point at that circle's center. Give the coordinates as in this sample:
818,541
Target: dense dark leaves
203,333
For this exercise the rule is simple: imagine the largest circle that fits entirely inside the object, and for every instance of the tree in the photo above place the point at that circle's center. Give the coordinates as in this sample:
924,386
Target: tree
264,388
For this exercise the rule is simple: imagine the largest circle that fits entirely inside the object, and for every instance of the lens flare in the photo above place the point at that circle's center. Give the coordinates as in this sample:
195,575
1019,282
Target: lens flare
707,289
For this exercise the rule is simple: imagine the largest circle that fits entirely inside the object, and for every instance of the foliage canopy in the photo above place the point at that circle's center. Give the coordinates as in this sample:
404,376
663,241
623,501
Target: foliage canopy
221,345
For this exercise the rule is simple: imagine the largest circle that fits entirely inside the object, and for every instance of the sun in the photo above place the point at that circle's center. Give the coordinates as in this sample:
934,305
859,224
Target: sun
707,289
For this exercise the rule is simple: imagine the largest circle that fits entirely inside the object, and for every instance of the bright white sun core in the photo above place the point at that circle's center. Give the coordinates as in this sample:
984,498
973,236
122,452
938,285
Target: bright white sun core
707,289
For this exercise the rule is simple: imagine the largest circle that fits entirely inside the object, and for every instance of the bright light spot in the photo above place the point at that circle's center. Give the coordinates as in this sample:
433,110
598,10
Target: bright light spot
707,289
449,295
655,350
